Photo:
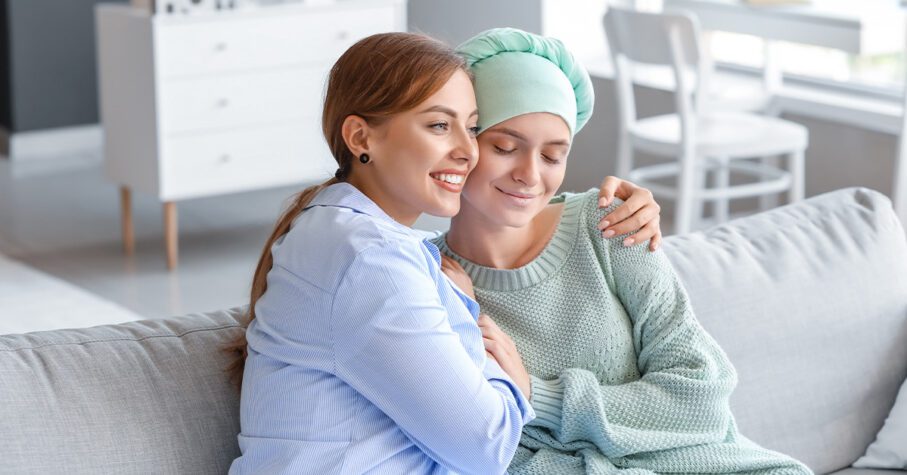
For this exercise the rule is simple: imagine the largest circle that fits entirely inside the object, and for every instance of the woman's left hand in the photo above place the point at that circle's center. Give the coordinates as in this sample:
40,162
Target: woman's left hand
501,347
639,212
458,275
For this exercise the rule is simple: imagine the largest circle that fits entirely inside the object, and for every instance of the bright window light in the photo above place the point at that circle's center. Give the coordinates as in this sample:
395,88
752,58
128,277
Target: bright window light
884,71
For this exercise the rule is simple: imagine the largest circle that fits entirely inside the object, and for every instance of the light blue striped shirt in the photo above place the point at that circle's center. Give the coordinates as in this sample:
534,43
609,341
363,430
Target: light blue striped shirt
364,358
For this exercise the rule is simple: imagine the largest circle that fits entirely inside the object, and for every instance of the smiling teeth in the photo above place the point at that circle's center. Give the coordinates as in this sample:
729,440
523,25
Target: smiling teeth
449,178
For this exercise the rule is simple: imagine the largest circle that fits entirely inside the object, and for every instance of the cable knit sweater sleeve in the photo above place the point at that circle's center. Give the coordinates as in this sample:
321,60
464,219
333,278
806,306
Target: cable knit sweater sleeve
686,379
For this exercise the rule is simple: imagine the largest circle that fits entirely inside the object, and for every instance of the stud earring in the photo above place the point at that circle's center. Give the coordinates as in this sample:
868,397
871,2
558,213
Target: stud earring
364,158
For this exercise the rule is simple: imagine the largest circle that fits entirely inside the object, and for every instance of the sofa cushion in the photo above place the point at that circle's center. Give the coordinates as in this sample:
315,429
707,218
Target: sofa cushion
809,301
890,447
868,471
140,397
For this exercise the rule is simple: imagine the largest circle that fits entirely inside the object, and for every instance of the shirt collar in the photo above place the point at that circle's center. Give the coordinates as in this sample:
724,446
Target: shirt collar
345,195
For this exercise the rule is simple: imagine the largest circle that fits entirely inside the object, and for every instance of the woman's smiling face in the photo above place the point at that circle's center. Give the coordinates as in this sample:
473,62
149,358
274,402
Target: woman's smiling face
522,164
422,156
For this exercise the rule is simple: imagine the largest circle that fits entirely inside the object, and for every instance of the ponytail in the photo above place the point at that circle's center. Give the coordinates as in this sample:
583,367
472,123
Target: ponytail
238,348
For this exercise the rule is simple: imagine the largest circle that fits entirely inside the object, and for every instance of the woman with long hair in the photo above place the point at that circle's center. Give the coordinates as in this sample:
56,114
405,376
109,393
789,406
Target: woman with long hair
360,355
623,377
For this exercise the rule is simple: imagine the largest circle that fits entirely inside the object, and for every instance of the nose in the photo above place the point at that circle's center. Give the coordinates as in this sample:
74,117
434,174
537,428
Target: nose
526,170
465,146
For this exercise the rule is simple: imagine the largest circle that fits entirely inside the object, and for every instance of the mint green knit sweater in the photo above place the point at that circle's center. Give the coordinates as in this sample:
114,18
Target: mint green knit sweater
624,379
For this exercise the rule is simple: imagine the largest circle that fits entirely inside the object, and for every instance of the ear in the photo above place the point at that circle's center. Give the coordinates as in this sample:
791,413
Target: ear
356,132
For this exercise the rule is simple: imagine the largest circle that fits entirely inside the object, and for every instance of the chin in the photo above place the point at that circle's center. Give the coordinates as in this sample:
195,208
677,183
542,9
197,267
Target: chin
445,210
515,219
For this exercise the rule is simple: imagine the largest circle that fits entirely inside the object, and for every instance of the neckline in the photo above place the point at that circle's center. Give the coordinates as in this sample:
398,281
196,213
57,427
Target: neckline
547,263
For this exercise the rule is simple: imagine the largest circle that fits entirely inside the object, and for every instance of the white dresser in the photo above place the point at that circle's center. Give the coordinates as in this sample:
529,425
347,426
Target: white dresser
212,103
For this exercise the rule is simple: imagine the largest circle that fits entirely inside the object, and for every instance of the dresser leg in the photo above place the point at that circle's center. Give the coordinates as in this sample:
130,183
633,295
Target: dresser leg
126,220
170,233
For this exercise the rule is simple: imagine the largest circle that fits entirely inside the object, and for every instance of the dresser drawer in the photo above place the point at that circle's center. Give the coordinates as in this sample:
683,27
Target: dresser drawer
307,36
252,158
241,99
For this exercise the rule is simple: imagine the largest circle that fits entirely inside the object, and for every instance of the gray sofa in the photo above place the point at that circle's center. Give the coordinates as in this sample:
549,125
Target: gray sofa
809,301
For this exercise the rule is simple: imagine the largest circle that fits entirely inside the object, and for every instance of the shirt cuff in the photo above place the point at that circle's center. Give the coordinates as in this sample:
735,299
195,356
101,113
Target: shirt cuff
548,401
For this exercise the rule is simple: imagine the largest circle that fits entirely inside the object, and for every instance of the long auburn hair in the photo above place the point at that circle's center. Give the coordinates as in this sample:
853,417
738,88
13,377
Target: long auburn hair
379,76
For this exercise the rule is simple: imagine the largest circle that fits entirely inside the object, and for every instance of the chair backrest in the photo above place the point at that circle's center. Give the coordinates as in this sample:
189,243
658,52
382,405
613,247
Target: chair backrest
666,39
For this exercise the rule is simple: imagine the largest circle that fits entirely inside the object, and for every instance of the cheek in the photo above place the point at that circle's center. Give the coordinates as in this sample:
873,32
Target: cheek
554,178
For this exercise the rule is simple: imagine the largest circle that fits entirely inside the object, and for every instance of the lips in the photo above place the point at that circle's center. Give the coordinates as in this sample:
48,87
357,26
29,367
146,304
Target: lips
450,180
516,194
518,199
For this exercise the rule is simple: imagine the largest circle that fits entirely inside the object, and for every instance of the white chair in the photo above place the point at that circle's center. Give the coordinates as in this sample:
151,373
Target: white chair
701,141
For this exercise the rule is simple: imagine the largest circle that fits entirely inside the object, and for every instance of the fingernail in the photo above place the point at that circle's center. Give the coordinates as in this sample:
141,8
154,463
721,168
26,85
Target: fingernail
628,242
603,225
654,247
602,202
608,233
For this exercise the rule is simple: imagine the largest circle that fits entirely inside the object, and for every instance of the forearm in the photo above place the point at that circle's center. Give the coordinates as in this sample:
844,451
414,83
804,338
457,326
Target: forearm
678,404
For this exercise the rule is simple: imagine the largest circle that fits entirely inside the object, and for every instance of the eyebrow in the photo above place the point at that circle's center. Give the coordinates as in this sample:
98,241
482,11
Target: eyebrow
447,110
519,136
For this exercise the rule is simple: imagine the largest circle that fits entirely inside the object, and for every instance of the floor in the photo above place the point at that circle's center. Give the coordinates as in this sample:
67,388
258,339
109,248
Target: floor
61,216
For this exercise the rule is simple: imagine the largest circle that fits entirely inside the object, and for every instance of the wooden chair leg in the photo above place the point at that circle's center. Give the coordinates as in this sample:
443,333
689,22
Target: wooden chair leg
128,231
170,234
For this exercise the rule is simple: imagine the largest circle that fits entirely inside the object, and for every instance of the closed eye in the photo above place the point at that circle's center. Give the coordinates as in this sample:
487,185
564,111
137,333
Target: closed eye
551,160
504,151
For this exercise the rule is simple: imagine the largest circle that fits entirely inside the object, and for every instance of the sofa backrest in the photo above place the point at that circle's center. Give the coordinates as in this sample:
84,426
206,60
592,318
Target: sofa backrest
136,398
810,303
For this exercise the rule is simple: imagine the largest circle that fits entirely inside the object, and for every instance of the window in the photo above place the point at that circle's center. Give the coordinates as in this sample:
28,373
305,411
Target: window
883,72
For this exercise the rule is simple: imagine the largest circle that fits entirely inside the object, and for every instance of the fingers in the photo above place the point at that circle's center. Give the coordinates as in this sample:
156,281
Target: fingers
606,191
647,233
622,212
655,243
455,265
446,261
492,332
637,222
498,351
451,267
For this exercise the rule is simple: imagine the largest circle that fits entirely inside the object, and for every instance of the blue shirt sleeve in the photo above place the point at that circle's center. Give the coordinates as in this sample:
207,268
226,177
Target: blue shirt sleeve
395,346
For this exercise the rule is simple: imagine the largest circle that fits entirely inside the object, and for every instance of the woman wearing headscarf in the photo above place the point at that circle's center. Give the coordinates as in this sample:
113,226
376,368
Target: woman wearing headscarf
623,377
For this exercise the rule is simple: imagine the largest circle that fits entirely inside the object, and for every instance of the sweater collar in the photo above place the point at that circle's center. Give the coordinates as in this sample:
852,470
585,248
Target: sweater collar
548,262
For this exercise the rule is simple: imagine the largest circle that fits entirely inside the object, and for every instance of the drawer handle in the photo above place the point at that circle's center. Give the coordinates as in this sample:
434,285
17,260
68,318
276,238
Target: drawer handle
225,158
343,35
223,103
220,46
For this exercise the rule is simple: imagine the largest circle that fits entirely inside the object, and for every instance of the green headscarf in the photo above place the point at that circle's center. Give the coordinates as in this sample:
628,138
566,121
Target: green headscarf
519,73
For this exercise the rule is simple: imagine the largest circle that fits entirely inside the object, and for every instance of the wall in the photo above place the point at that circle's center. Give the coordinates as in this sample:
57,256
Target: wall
49,71
5,94
457,21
